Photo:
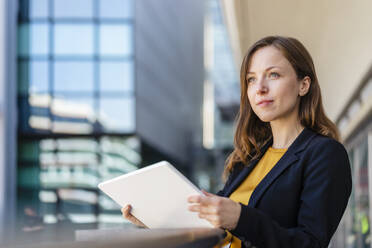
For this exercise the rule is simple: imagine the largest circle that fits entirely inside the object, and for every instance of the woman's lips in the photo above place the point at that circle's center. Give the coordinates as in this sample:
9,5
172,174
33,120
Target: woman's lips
265,103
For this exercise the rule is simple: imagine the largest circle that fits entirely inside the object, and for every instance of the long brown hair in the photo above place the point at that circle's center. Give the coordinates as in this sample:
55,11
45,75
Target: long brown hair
251,133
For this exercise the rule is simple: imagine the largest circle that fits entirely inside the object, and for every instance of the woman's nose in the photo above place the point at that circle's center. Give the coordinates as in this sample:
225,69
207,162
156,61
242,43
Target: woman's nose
262,87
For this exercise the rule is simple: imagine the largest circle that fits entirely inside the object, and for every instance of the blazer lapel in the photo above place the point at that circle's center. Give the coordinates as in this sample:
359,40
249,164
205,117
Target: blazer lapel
286,160
240,178
282,164
245,171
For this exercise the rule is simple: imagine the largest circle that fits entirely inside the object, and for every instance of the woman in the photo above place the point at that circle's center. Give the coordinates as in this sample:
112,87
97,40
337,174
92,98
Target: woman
289,178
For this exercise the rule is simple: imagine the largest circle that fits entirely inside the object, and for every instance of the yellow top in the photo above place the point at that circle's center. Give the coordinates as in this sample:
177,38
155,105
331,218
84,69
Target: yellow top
244,191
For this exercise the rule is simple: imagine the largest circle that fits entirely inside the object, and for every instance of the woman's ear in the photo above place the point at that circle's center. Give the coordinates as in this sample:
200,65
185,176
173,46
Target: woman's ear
304,86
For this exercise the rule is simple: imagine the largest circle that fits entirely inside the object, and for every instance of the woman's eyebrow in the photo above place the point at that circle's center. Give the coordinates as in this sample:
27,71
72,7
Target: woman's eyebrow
267,69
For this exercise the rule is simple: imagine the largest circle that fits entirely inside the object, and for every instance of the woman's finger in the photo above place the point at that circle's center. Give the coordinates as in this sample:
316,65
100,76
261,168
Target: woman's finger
202,209
194,199
208,209
125,210
133,219
207,200
198,199
127,215
194,208
207,193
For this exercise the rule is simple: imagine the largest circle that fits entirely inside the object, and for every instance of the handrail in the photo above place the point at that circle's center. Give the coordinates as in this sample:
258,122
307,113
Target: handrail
140,238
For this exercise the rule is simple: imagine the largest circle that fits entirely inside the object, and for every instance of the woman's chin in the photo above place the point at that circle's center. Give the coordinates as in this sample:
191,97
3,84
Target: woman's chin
265,118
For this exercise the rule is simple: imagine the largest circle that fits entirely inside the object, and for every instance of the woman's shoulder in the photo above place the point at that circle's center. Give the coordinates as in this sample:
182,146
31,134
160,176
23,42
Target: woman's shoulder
321,143
326,156
323,151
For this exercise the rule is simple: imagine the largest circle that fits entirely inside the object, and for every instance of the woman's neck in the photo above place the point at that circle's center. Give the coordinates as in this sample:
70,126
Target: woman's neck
285,131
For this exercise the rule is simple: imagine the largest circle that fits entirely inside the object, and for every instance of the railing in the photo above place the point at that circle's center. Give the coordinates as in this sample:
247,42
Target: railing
140,238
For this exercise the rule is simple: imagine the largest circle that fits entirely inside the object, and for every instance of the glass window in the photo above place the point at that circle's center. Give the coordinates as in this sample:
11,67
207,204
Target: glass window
39,8
23,77
362,210
115,40
34,112
73,39
73,8
33,77
115,8
358,230
63,46
28,151
28,177
33,39
116,76
117,114
73,76
350,224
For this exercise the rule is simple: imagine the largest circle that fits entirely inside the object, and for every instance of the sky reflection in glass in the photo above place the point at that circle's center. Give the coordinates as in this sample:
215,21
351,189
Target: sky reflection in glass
73,39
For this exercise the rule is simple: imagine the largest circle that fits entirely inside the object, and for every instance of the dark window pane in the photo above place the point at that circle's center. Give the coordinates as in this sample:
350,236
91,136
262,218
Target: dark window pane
73,76
33,39
116,76
115,40
73,115
28,177
28,151
73,8
34,112
117,114
33,77
73,39
115,8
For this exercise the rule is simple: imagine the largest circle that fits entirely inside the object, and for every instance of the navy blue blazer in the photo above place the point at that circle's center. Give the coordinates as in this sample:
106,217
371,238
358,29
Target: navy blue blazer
300,202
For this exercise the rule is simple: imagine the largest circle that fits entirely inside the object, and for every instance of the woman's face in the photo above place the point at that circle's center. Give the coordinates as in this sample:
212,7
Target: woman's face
273,88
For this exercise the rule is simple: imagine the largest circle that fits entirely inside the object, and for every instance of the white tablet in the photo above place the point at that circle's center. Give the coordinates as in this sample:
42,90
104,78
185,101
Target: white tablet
158,194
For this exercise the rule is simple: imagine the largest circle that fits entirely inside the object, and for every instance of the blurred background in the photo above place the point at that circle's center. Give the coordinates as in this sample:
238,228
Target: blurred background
93,89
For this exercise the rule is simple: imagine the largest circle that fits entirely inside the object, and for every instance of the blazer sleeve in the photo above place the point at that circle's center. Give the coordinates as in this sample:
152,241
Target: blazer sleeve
325,192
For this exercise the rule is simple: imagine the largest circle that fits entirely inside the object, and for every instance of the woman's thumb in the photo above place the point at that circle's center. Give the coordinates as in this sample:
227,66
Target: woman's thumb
206,193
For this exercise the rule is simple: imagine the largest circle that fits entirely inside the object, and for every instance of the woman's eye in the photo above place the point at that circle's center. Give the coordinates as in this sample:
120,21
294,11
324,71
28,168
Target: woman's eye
274,75
250,79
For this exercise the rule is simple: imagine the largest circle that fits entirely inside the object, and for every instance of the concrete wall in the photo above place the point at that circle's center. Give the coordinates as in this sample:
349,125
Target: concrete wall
169,73
8,115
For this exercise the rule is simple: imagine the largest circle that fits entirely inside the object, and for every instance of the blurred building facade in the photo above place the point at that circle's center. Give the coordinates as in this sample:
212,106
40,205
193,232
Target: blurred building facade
92,89
221,98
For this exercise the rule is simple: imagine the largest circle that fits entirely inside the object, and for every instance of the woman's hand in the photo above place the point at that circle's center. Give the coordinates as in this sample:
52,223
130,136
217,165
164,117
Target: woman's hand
221,212
127,215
